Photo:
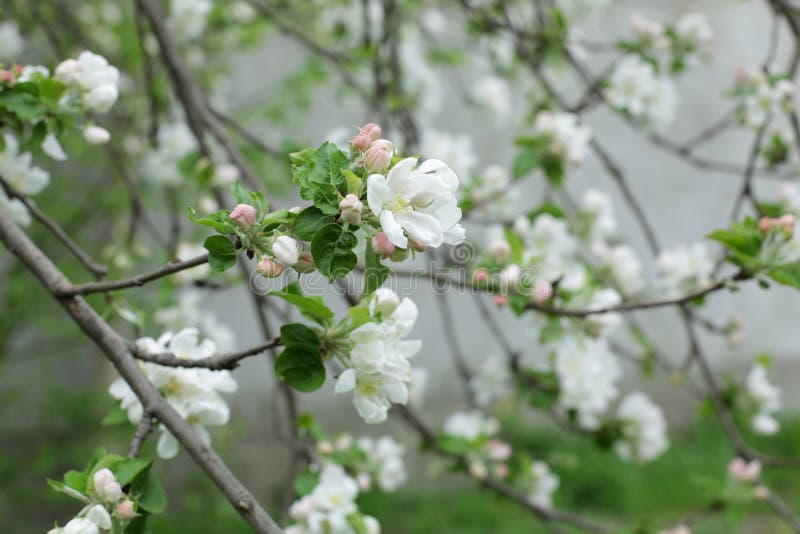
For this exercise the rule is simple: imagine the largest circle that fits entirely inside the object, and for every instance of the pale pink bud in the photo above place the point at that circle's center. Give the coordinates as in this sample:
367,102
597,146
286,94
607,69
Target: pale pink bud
364,481
344,442
106,485
500,300
378,156
477,470
360,142
325,447
480,276
501,470
372,130
382,246
305,262
125,510
765,224
244,215
787,221
742,471
542,292
419,246
498,450
500,249
351,209
6,76
762,492
510,276
269,268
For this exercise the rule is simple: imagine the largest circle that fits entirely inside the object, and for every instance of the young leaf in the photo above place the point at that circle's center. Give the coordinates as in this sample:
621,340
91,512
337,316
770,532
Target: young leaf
309,221
301,368
219,221
115,416
375,273
221,253
312,308
525,162
332,250
151,495
296,335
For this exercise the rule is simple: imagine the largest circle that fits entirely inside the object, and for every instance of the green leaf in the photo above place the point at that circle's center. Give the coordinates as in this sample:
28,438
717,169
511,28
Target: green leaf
301,369
787,274
63,488
127,469
302,157
553,166
325,178
453,444
219,221
309,221
553,330
312,308
375,273
240,194
332,250
296,335
549,208
150,494
354,182
115,416
23,104
50,91
221,253
524,163
305,483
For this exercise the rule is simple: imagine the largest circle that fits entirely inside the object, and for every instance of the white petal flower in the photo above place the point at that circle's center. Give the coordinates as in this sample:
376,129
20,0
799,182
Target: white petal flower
636,88
16,168
471,425
685,269
81,525
99,516
644,429
493,381
53,148
767,398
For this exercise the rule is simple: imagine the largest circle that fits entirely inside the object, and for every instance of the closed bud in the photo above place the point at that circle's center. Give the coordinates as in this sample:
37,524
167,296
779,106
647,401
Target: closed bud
742,471
542,292
269,268
762,492
500,249
125,510
498,450
360,143
386,301
68,71
382,246
378,156
500,300
305,262
95,135
501,470
286,250
787,221
6,76
371,130
325,447
100,99
477,470
480,276
106,485
364,481
351,208
244,215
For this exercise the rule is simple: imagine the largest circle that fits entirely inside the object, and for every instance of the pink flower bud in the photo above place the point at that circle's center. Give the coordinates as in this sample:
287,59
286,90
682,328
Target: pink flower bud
244,215
480,276
498,450
6,76
765,224
382,246
742,471
500,300
371,130
106,485
762,492
360,142
787,221
417,245
305,263
351,209
542,292
125,510
378,156
269,268
501,470
499,249
477,470
325,447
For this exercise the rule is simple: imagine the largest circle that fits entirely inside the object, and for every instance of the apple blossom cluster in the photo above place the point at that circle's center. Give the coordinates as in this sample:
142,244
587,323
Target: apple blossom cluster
17,170
644,429
568,139
685,269
370,461
637,89
378,370
762,400
673,47
91,82
107,507
539,483
193,392
761,97
492,381
330,507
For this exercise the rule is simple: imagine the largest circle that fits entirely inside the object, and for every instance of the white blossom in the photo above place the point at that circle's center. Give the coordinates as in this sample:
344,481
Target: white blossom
549,247
193,392
471,425
16,169
187,251
636,88
695,33
493,94
380,370
52,147
597,212
623,265
94,79
644,429
417,203
175,141
542,483
685,269
587,373
456,149
326,509
188,18
569,138
190,311
385,461
767,398
492,381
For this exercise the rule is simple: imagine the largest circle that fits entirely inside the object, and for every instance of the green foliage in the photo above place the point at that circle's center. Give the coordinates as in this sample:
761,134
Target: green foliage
332,250
221,253
309,222
375,273
320,178
312,308
300,364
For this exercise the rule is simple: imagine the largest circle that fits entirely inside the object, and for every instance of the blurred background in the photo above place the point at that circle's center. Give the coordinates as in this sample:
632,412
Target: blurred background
53,382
